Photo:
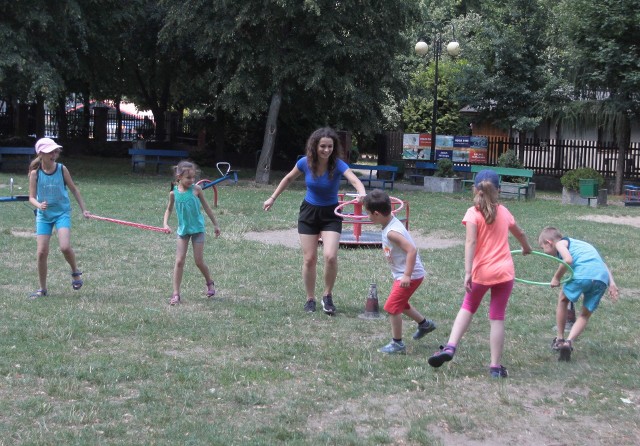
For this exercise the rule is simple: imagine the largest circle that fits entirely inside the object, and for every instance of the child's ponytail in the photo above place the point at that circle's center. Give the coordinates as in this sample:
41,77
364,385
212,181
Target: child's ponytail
486,200
35,164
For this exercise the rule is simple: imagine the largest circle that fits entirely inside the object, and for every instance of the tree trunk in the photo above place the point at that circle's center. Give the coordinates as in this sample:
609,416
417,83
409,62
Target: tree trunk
86,115
623,130
40,124
63,123
263,170
218,135
118,120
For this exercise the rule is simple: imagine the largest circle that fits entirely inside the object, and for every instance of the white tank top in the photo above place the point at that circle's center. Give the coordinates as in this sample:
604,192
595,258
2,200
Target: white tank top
396,257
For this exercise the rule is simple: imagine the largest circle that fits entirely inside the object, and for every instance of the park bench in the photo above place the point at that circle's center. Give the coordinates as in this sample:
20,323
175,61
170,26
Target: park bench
418,178
507,189
631,195
370,181
16,156
155,156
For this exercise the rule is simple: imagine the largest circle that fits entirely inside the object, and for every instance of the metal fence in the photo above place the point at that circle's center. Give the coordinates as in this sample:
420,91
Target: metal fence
555,157
550,157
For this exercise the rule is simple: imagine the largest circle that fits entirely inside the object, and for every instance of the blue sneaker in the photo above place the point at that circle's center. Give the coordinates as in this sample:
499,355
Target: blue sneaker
426,327
393,347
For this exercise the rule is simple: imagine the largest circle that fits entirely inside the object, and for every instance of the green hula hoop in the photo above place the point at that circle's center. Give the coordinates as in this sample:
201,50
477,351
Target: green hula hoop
565,279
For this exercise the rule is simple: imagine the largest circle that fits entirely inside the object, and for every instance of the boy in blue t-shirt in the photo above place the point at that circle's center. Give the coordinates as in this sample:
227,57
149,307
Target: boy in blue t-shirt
590,278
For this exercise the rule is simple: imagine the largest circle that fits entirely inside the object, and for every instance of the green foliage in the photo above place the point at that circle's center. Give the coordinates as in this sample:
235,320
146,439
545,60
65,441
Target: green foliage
354,154
509,159
445,168
571,179
417,112
506,75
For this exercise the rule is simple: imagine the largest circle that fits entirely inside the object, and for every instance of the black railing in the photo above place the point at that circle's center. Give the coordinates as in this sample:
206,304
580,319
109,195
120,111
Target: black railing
555,157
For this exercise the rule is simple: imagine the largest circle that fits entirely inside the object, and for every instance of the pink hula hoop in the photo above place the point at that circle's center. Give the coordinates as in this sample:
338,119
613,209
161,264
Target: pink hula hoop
128,223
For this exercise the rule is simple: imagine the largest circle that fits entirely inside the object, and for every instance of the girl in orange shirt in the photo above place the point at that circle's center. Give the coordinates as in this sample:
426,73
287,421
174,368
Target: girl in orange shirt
488,266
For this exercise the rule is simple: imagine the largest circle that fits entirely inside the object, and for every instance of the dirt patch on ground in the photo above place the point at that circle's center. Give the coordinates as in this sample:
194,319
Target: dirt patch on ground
289,238
630,221
22,233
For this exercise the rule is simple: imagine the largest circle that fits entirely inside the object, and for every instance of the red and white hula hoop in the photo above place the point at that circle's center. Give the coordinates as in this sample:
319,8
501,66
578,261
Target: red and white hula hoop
358,215
129,223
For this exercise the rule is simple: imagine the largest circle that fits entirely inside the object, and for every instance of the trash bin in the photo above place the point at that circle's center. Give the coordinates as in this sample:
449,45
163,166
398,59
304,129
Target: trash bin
588,188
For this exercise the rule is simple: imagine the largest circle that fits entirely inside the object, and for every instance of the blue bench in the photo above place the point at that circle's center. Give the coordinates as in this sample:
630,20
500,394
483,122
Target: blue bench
370,181
155,156
432,167
631,195
20,156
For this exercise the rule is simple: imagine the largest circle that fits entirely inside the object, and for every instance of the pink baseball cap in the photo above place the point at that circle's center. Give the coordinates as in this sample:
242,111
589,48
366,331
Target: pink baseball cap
46,145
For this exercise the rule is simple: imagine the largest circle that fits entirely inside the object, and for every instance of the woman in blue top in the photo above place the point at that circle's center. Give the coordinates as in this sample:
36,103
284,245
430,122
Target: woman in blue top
48,184
323,170
187,198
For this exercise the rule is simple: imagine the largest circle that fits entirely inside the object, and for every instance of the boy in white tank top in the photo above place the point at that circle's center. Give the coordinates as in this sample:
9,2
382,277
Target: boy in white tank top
406,267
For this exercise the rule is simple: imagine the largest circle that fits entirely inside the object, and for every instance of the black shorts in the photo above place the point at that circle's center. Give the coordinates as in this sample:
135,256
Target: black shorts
312,219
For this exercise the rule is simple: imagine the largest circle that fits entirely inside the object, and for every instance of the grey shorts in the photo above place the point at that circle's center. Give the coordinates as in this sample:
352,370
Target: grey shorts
198,237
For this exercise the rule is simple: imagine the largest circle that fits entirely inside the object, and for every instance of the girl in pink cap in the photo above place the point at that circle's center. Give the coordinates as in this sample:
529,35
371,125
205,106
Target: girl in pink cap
48,183
488,265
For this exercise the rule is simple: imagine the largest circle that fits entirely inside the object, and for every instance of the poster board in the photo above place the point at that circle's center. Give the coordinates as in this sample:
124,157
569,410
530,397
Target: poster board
459,149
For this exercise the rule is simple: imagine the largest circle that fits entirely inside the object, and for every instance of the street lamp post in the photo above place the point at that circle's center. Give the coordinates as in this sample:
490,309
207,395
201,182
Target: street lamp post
453,48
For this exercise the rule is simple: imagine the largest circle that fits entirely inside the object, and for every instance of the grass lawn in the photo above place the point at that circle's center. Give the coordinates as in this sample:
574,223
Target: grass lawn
114,364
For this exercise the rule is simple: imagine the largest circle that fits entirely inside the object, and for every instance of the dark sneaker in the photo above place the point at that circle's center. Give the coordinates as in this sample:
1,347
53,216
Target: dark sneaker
426,327
498,372
440,357
327,305
393,347
310,306
565,350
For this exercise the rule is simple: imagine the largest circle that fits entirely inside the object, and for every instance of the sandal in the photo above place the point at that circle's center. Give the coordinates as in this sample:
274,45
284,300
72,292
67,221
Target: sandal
76,283
556,343
38,293
175,300
211,289
565,349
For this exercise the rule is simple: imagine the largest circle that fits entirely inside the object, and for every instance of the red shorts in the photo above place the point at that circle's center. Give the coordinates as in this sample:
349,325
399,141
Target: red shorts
398,300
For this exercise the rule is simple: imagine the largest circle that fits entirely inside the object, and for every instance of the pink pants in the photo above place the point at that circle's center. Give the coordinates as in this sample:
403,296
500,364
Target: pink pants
500,294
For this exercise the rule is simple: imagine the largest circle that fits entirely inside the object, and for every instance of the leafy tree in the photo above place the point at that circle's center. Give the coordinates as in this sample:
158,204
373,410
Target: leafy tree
418,108
505,78
334,62
601,62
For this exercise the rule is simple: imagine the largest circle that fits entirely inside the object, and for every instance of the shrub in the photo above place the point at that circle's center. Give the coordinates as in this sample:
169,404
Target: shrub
510,159
354,155
571,179
445,168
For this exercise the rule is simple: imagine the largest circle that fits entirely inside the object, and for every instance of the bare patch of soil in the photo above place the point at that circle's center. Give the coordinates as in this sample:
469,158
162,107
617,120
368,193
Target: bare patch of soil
630,221
22,233
289,238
